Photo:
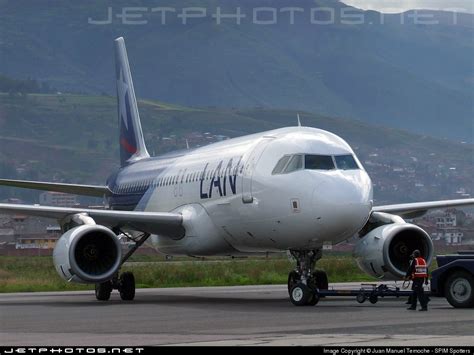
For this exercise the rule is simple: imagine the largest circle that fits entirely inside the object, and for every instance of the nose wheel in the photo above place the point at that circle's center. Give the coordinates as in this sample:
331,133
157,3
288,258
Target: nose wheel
302,295
304,282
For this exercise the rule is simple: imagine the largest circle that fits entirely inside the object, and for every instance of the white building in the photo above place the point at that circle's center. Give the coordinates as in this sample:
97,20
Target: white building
447,229
58,199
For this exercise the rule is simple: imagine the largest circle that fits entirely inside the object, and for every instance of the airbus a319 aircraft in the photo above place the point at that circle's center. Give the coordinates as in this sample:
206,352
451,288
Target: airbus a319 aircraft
290,189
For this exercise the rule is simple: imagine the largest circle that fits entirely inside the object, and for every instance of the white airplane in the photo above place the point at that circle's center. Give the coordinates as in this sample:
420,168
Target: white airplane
290,189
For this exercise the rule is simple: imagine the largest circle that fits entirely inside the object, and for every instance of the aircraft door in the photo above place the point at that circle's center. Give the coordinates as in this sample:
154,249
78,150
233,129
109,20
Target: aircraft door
250,163
181,182
176,184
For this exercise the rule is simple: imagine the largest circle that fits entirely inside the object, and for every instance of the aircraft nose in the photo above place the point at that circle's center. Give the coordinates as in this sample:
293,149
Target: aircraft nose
342,205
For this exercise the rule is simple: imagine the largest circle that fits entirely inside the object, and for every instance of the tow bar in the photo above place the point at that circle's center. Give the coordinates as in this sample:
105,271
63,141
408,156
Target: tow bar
371,292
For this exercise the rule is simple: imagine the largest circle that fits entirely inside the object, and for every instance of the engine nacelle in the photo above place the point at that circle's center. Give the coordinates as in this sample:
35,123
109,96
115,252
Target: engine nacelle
87,254
385,252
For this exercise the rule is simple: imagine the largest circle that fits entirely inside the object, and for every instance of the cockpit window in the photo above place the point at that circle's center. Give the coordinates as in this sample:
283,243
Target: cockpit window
346,162
290,163
296,163
319,162
281,165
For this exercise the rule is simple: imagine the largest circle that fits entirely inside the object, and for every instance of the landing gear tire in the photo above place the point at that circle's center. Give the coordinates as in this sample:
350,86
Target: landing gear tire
321,279
103,291
459,290
293,279
127,286
300,294
313,301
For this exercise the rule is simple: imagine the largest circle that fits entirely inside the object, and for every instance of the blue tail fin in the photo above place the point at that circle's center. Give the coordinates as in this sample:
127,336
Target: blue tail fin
132,144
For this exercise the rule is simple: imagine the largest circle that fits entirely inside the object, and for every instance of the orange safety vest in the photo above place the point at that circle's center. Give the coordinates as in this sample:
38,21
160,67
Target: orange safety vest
421,269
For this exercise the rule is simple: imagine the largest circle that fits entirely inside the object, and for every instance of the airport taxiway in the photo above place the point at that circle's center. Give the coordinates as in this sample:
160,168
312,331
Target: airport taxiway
242,315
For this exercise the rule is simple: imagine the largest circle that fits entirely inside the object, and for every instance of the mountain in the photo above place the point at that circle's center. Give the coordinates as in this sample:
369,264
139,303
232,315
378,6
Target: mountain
413,71
73,138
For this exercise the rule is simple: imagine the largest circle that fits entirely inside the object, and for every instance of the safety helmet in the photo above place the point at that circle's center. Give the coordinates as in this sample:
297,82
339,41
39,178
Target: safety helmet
416,253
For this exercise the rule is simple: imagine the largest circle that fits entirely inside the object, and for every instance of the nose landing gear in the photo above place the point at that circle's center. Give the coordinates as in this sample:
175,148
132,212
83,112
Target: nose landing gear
304,281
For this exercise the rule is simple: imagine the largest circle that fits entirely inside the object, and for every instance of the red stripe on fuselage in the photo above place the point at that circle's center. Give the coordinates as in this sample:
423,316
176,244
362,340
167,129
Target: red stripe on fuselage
129,148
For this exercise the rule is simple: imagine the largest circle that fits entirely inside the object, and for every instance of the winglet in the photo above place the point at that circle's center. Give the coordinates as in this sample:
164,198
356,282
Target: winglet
132,143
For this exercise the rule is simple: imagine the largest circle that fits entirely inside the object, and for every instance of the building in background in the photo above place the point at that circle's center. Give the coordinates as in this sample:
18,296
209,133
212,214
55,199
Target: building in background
38,241
58,199
447,228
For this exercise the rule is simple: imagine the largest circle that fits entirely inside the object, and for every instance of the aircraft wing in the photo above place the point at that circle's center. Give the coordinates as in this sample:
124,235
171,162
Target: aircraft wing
417,209
87,190
162,223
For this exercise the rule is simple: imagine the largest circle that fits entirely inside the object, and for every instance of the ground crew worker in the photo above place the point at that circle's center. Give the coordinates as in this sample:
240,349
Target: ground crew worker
418,273
410,298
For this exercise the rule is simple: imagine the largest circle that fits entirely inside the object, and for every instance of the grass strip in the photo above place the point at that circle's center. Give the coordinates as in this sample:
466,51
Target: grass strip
32,274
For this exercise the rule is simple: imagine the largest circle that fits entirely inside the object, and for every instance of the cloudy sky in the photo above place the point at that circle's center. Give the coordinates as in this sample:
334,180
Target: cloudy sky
404,5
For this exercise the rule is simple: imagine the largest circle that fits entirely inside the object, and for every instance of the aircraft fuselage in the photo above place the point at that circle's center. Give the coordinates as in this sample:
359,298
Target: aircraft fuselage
239,203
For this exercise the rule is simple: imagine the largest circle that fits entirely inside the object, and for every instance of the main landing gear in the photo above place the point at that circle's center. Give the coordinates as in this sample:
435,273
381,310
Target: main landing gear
304,281
124,282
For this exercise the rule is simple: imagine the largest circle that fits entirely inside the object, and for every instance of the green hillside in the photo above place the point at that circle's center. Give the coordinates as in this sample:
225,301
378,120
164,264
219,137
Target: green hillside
73,138
392,71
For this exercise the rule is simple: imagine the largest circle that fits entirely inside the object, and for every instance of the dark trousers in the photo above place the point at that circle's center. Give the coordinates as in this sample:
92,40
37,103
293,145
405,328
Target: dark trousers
418,293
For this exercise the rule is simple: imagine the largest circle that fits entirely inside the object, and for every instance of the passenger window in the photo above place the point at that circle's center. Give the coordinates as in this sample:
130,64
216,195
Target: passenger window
319,162
281,165
295,163
346,162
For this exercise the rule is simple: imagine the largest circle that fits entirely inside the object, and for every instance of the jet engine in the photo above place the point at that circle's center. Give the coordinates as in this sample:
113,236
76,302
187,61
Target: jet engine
87,254
385,251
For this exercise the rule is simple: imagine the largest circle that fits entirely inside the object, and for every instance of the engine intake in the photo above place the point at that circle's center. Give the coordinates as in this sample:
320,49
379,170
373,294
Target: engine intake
385,251
87,254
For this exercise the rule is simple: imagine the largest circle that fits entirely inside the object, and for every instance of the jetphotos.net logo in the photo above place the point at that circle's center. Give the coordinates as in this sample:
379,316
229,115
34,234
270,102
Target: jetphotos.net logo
264,16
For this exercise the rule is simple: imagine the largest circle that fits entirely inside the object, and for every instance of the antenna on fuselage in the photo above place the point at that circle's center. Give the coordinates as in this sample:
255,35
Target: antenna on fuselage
298,117
187,144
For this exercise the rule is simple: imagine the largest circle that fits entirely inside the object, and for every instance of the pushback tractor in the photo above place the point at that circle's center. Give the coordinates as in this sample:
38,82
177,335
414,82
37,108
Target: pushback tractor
453,279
